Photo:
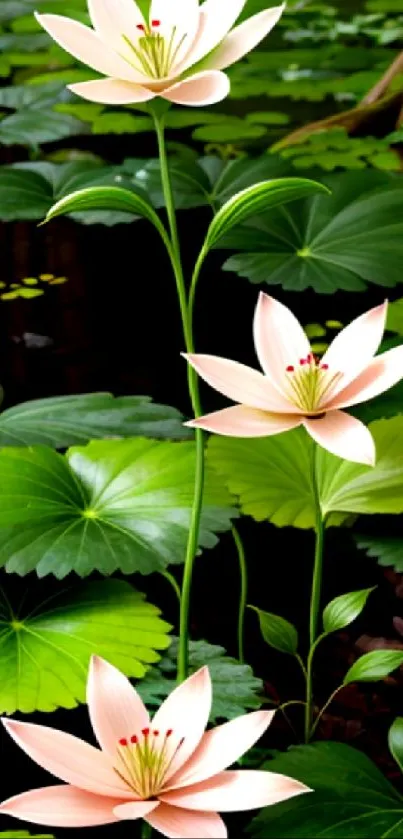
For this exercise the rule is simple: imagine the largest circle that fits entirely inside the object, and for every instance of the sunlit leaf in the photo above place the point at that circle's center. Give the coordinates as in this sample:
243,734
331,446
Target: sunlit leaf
44,654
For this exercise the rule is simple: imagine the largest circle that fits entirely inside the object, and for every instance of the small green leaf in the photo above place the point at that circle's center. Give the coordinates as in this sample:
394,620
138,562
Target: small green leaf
374,666
387,550
395,740
277,632
235,688
106,198
345,609
257,199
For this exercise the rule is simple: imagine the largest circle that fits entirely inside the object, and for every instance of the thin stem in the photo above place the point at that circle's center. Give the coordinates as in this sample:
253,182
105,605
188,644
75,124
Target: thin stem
302,666
171,580
316,593
325,707
243,568
146,831
187,325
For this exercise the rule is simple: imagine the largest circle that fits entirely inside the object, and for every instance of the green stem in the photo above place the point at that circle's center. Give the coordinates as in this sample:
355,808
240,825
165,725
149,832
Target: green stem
146,831
244,593
325,707
187,324
316,593
171,580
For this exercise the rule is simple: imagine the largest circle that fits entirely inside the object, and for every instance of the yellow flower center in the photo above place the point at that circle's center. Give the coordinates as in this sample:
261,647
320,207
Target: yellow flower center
310,384
154,55
144,760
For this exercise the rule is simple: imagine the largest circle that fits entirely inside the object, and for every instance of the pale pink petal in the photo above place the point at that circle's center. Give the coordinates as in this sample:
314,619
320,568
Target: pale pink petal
186,824
115,708
355,346
240,383
204,88
112,92
185,713
181,17
86,45
214,24
68,758
344,436
280,341
241,421
221,747
244,38
61,806
116,23
381,374
235,791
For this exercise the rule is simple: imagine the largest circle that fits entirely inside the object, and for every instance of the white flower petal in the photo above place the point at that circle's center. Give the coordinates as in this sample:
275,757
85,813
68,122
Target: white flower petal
112,92
86,45
204,88
244,38
214,24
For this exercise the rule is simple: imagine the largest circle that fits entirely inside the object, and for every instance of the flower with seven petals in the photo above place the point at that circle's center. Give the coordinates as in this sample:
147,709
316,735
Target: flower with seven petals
168,771
297,388
178,53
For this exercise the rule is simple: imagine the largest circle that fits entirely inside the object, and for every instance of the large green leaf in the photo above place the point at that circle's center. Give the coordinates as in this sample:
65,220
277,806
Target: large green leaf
44,654
62,421
28,190
208,181
32,127
351,798
114,504
271,476
342,242
387,550
235,688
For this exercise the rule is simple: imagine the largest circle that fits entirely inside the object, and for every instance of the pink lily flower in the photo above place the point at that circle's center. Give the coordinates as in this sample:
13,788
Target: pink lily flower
297,388
143,58
169,772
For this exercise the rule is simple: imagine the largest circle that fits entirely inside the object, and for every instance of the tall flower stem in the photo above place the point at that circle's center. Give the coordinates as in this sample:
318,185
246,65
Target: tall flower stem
316,593
187,325
243,573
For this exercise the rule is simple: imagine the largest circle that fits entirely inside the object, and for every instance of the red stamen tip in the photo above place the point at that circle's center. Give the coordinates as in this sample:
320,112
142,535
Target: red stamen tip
133,739
324,366
290,368
310,357
145,732
141,27
155,23
302,361
156,733
123,742
169,732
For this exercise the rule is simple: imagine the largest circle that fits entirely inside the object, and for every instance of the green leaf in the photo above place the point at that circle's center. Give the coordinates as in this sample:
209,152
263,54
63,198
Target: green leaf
63,421
344,241
374,666
32,127
208,181
394,322
107,198
387,550
271,476
45,654
277,632
28,190
23,834
395,740
343,610
257,199
351,799
235,688
114,504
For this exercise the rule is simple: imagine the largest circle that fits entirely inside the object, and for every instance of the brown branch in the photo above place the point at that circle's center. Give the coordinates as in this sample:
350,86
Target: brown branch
381,87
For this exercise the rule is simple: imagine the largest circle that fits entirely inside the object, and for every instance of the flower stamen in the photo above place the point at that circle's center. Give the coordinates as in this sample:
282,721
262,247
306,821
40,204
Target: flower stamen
143,761
310,383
